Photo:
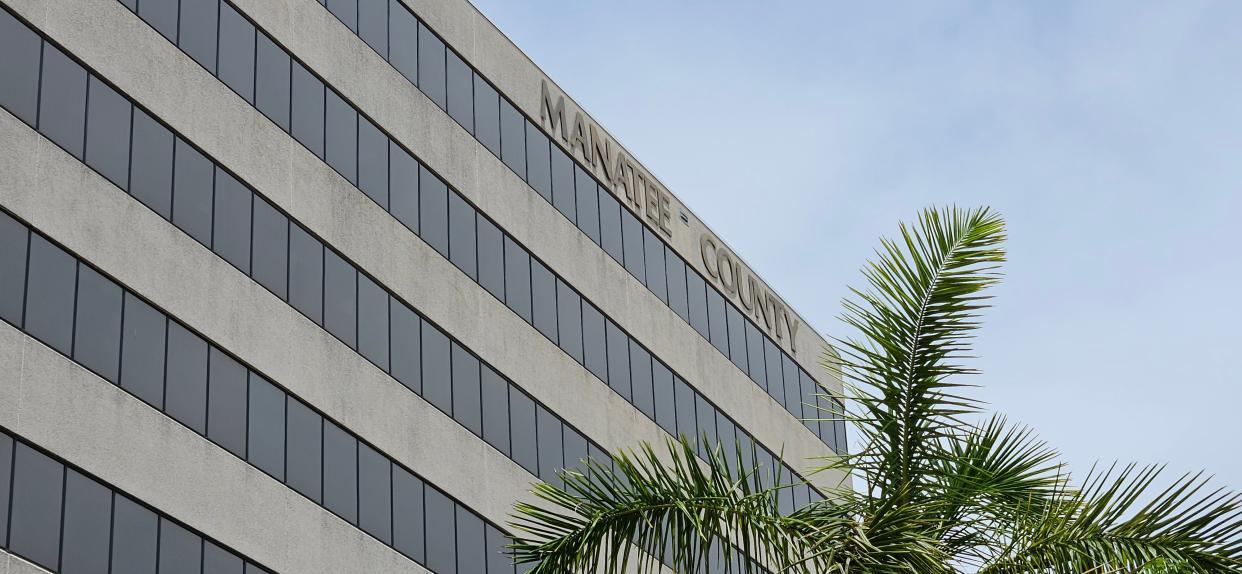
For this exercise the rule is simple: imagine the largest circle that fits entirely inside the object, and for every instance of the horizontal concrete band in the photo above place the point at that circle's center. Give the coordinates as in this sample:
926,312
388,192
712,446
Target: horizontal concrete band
56,404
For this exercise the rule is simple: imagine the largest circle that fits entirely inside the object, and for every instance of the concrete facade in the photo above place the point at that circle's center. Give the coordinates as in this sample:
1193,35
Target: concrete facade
55,403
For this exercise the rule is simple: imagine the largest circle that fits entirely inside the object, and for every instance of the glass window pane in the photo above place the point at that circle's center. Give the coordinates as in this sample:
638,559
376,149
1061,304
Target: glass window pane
687,424
346,11
655,267
340,472
586,207
513,138
498,561
306,273
522,430
726,433
551,456
271,91
135,536
793,388
632,234
236,52
217,560
6,473
569,320
486,115
517,279
180,550
231,239
373,162
543,299
619,361
460,91
97,332
151,165
107,134
49,294
662,383
192,185
13,240
303,458
839,430
737,336
705,413
34,529
307,109
341,136
19,68
403,38
677,297
754,355
266,448
198,31
471,555
340,298
373,24
431,66
161,15
62,105
437,387
538,164
270,250
640,369
576,450
462,235
375,493
403,187
594,344
142,361
373,322
491,251
407,513
696,290
87,525
441,529
772,360
226,403
433,211
467,408
610,225
563,191
716,321
495,399
406,346
807,390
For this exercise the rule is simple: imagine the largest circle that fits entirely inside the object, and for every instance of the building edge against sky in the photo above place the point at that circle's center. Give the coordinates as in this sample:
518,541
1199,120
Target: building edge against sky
293,285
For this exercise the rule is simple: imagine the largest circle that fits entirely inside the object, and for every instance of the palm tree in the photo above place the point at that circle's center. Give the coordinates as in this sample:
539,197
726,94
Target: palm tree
938,486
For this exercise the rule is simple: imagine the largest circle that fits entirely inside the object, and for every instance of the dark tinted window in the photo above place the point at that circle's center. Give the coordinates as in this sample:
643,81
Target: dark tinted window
87,525
491,251
13,240
19,68
307,109
538,165
373,162
460,91
403,187
656,280
161,15
407,513
180,550
375,493
6,470
586,203
726,433
495,398
142,361
441,529
522,430
431,66
373,24
513,138
107,133
470,546
610,225
517,279
198,31
486,115
232,221
437,388
97,337
406,346
135,535
266,448
716,321
192,190
306,273
498,561
737,336
341,136
270,249
619,361
696,290
632,234
372,322
576,450
304,429
346,11
706,416
677,298
686,423
62,105
569,320
467,409
563,193
754,355
462,235
433,211
271,91
340,472
236,52
640,369
226,403
662,383
49,294
340,297
551,457
217,560
772,361
403,38
151,165
34,529
543,296
793,387
594,342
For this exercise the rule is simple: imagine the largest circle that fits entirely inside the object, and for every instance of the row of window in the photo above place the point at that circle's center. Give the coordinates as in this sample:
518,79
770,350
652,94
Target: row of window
335,131
392,30
66,521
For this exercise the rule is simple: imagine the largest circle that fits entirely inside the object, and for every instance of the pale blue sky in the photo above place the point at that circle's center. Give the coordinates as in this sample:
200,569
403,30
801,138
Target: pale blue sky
1109,134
